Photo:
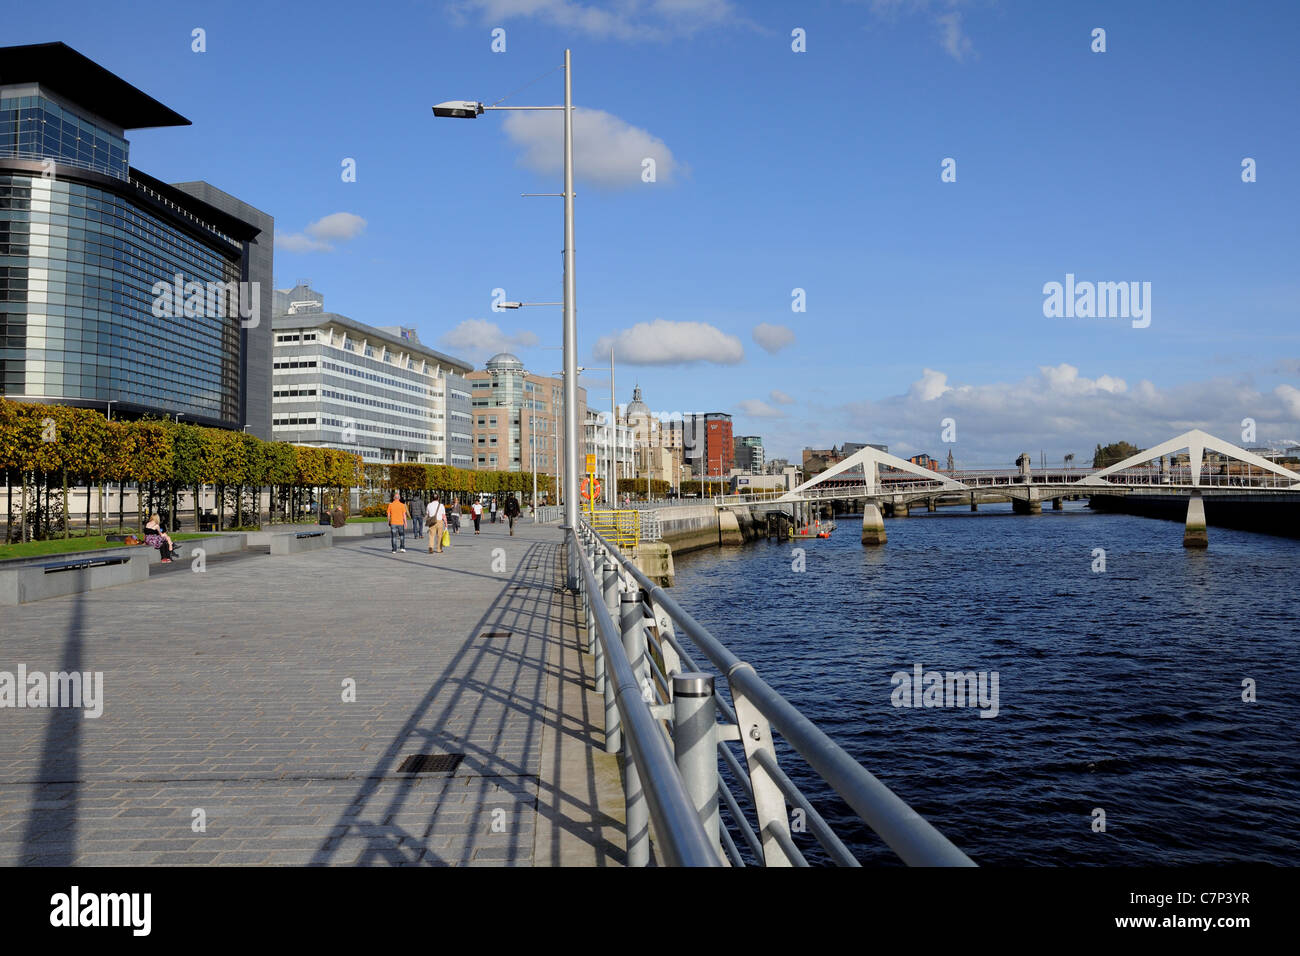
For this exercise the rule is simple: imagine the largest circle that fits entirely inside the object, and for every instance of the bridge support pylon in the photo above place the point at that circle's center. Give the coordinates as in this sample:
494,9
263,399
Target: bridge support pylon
1058,504
973,505
1194,534
1029,505
873,525
899,508
930,505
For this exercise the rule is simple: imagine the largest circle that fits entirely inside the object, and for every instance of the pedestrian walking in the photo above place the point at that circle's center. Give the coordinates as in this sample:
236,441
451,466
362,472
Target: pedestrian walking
437,515
453,517
397,522
512,511
494,510
417,514
476,509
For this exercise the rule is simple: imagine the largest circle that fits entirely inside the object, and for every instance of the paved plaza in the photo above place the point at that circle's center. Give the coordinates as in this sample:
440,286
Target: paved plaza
227,735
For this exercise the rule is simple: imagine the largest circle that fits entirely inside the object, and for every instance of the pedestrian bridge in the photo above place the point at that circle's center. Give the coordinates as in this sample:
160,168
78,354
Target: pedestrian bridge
881,480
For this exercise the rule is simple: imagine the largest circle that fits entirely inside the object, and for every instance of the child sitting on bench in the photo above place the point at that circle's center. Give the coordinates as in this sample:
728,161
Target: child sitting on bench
155,537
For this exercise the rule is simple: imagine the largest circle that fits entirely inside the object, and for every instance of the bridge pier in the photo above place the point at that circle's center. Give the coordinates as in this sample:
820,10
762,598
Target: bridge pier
1027,506
973,505
899,508
1194,534
930,505
873,524
1058,504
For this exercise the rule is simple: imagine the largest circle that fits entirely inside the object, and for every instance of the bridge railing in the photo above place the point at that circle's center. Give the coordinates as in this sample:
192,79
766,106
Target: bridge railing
648,674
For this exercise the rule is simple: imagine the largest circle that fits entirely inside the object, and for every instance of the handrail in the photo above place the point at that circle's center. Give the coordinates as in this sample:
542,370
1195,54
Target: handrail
678,829
914,839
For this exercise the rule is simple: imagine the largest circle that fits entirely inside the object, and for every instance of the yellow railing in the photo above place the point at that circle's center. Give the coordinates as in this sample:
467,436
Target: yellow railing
621,527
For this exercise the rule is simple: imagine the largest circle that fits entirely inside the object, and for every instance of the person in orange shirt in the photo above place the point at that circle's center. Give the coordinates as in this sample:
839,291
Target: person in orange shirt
397,522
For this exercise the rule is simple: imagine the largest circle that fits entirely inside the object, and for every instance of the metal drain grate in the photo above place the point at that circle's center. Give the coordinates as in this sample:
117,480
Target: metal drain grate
495,634
431,763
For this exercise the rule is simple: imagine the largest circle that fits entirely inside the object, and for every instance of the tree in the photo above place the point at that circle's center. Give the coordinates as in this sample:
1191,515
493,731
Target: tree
1113,453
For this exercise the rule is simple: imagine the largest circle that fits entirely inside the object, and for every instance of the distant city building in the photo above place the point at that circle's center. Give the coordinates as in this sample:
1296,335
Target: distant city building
517,412
118,291
659,442
776,466
709,448
610,444
338,383
925,461
748,454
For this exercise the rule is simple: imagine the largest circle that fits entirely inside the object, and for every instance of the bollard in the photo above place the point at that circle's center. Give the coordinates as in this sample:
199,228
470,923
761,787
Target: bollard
638,813
695,741
613,736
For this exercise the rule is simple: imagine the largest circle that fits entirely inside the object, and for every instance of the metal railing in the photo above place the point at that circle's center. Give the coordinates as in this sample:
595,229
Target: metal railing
656,696
550,514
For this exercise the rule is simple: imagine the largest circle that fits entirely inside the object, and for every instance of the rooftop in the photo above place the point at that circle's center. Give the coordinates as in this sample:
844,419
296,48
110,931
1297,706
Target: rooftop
86,83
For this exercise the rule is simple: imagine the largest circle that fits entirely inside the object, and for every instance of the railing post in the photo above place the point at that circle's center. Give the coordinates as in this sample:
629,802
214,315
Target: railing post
638,813
695,741
613,737
769,802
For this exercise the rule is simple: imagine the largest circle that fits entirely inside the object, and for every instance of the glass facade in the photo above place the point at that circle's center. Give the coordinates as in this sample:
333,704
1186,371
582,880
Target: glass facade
35,127
77,312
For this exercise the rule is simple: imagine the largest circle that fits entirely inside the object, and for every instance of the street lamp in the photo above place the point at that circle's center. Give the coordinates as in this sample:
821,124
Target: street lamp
467,109
110,408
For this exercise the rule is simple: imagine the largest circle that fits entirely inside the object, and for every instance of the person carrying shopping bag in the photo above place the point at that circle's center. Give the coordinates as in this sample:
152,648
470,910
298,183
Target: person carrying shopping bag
437,521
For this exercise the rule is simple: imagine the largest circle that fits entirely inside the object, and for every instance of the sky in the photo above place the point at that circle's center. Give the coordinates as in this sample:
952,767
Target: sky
856,211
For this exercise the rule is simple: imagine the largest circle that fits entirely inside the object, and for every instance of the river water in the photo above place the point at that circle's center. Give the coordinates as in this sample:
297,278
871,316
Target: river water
1118,690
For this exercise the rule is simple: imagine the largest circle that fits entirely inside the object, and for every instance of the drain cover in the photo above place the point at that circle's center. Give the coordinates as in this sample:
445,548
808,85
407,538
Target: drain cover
495,634
431,763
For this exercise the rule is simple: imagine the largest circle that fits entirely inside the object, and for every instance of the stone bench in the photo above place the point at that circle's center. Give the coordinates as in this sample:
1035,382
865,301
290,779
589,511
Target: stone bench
24,583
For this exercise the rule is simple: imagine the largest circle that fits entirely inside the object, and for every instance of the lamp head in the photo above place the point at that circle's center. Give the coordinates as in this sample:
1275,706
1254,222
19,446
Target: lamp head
459,109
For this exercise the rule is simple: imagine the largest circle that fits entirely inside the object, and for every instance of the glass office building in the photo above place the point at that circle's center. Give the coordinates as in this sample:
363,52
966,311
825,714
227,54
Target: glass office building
118,290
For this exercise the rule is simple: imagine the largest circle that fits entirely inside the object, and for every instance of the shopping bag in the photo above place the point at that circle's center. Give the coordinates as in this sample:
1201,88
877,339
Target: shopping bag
446,538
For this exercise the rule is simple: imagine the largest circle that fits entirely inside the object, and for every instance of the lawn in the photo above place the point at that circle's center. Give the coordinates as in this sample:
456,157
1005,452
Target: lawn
36,549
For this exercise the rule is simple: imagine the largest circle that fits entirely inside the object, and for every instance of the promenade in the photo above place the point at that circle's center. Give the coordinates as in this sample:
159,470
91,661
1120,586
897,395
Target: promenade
228,736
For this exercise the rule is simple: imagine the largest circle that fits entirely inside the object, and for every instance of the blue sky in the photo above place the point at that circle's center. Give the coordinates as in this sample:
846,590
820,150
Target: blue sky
777,170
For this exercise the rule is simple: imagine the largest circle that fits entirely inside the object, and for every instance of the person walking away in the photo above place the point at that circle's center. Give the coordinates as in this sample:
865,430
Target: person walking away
494,510
512,511
417,514
437,516
453,517
476,509
397,522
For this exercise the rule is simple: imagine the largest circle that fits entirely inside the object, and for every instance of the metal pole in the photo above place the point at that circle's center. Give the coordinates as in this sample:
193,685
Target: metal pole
696,746
570,324
532,449
611,498
603,682
638,813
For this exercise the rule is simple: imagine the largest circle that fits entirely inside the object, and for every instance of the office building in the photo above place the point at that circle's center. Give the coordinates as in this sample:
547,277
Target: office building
519,417
379,392
118,291
749,454
709,448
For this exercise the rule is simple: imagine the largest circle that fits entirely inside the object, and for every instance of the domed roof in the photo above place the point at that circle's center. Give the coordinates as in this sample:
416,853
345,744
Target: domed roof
637,408
504,360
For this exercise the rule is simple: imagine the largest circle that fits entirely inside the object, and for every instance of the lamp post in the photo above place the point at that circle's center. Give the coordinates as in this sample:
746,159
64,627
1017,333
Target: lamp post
464,109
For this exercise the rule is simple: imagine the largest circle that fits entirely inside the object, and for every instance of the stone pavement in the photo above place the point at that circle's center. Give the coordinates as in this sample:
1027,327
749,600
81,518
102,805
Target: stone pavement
224,704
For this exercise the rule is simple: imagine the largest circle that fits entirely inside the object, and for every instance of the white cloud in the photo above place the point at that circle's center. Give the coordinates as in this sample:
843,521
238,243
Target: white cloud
1289,396
757,408
627,20
478,339
773,338
944,14
662,342
1055,408
781,398
321,235
607,151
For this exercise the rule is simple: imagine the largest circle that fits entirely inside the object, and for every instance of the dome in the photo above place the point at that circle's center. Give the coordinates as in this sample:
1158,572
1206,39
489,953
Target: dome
504,360
637,408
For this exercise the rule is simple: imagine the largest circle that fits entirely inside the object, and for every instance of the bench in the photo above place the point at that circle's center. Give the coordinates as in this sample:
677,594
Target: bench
82,563
310,534
24,583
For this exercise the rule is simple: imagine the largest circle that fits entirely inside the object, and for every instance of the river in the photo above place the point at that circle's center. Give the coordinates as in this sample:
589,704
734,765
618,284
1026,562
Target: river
1118,690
